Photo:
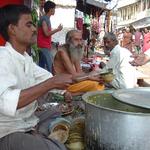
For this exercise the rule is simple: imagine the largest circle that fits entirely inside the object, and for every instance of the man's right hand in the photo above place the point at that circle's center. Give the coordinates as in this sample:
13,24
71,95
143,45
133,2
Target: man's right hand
60,27
62,81
139,59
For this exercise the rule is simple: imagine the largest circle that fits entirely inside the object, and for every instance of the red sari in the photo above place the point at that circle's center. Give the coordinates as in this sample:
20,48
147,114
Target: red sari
146,41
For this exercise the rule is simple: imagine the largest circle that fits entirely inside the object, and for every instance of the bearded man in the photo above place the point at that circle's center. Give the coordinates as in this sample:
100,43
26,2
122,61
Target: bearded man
67,60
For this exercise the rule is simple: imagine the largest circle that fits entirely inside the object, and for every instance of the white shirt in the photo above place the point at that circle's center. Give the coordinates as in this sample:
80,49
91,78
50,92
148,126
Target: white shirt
17,72
125,73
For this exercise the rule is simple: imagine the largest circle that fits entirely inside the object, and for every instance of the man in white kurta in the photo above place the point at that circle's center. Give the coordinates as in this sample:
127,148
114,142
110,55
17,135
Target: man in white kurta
17,72
125,73
22,82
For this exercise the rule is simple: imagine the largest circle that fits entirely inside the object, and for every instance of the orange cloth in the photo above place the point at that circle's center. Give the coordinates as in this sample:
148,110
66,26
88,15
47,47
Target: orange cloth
85,86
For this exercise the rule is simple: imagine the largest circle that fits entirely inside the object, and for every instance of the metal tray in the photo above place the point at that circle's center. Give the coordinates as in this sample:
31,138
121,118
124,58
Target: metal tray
134,96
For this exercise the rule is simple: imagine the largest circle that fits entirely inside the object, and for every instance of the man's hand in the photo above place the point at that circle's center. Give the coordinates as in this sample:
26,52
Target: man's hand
62,81
139,59
96,78
60,27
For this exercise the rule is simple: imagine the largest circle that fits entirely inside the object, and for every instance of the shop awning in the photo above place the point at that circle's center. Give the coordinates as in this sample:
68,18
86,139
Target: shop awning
71,3
142,23
97,3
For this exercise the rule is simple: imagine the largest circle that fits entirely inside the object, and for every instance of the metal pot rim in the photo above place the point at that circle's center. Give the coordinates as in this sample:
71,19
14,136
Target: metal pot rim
86,95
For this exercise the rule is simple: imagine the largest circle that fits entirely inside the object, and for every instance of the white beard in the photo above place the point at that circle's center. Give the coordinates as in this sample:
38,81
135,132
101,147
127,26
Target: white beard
75,52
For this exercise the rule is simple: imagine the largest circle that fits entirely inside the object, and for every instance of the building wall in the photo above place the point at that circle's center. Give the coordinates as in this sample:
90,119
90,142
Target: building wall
131,12
65,15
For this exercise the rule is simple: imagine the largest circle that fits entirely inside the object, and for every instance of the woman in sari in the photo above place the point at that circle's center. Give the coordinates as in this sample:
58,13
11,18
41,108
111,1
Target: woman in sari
146,40
127,40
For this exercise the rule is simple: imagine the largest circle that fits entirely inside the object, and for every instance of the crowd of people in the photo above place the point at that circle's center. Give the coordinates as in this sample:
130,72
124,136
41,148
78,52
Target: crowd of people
135,40
23,81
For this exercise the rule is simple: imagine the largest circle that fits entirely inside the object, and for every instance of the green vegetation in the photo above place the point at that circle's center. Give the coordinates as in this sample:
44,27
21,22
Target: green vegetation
35,18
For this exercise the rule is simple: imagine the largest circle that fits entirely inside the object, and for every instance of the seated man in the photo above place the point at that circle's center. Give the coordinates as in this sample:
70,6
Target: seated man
67,60
22,83
125,73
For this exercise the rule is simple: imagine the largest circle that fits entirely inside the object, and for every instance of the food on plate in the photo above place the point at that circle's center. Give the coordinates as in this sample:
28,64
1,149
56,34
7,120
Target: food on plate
107,76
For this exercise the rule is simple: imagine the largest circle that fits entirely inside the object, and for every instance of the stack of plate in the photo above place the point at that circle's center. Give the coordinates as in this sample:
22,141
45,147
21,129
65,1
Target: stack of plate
59,130
76,135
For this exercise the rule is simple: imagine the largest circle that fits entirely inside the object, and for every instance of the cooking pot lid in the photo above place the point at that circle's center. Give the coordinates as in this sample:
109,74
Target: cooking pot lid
135,96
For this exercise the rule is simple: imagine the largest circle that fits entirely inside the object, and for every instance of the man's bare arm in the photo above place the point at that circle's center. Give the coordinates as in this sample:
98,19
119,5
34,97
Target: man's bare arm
78,67
47,32
140,59
29,95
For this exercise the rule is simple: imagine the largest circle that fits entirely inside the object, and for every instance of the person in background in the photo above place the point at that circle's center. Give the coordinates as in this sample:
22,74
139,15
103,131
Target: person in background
86,33
101,35
138,38
120,37
41,3
67,60
86,38
44,36
22,83
125,73
146,40
127,40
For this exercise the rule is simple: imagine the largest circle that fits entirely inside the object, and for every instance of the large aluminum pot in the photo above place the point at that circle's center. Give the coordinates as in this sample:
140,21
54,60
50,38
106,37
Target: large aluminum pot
113,125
